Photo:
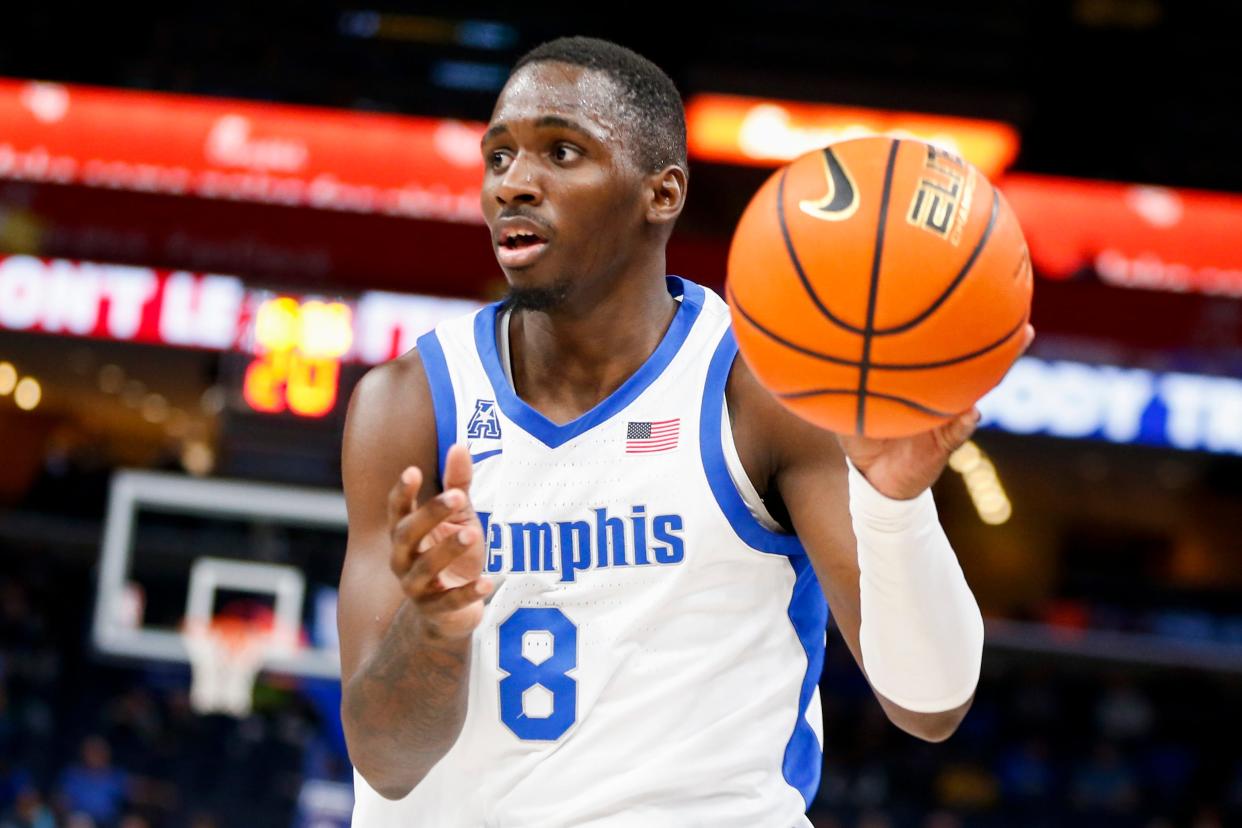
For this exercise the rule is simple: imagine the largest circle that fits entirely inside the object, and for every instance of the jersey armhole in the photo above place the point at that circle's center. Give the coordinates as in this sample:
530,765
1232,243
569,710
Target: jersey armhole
443,401
732,504
737,473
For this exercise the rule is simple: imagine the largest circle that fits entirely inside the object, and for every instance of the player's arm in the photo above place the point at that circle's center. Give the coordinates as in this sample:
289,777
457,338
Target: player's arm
410,589
911,623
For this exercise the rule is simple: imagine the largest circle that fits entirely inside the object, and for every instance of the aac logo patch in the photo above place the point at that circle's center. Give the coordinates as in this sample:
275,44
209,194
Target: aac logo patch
484,423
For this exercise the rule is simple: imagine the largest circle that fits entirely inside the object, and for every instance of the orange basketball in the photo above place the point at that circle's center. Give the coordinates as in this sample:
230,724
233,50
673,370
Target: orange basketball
878,286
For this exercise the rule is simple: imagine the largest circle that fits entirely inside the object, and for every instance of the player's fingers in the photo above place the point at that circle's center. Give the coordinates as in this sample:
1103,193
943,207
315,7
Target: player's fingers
458,470
958,430
1028,336
425,571
411,529
403,493
456,598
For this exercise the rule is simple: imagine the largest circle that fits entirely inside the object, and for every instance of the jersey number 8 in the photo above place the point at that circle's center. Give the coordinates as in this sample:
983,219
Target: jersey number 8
548,635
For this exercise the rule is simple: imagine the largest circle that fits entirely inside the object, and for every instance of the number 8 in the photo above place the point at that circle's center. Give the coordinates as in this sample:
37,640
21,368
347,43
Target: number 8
524,674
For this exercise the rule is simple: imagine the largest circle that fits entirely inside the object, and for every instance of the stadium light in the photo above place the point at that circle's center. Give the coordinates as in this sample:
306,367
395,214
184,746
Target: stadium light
982,482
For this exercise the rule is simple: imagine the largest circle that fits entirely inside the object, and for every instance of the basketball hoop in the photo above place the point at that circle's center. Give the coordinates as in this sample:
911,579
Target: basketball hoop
225,658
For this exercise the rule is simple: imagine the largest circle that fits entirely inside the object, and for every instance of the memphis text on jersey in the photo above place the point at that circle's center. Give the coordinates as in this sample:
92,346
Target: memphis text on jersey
569,547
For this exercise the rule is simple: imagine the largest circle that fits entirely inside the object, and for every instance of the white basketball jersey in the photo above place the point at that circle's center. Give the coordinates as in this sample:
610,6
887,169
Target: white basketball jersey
652,656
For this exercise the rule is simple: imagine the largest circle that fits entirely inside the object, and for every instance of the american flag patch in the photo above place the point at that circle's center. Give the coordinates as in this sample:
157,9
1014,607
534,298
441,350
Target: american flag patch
648,437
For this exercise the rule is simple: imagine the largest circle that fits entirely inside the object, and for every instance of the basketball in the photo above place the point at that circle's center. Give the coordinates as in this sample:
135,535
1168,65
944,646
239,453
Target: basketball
878,286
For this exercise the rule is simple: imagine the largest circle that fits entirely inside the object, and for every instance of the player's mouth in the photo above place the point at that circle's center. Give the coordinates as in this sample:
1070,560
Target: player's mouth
519,242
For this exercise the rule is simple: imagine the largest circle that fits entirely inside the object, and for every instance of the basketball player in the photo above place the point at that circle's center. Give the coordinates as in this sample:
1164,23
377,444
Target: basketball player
587,549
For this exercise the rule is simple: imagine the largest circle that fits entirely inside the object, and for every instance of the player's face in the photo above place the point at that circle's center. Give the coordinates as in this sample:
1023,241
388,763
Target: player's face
561,190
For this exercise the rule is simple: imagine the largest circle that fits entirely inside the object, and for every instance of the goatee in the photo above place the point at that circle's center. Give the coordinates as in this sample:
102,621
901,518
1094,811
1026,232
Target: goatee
536,298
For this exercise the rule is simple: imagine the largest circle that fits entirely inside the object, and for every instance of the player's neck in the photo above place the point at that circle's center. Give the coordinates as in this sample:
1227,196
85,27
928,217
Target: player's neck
567,361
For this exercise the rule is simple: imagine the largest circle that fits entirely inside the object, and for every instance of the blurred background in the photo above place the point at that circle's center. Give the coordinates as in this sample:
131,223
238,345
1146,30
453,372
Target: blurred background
212,222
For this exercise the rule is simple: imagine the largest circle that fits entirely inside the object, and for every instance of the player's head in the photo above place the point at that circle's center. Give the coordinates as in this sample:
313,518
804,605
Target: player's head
585,156
647,103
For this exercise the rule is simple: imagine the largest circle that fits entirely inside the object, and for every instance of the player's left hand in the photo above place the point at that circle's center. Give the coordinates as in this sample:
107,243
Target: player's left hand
901,468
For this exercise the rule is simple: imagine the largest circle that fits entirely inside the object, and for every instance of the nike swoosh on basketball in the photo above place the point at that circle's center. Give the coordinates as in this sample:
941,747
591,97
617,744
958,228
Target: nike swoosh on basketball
841,200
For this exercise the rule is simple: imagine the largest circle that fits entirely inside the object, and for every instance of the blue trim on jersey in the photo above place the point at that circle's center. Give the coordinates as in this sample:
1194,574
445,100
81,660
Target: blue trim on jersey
548,432
442,399
729,499
808,611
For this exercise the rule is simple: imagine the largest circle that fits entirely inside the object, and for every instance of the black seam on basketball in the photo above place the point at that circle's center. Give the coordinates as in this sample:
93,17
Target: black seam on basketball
819,392
944,363
797,263
793,346
876,259
814,392
940,300
875,366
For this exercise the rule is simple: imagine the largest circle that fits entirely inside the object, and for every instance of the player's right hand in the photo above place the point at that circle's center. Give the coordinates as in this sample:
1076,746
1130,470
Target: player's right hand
437,549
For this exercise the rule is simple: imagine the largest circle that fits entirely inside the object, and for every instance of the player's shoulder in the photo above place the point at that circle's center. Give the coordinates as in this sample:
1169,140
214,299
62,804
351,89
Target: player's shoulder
393,398
766,431
391,421
400,380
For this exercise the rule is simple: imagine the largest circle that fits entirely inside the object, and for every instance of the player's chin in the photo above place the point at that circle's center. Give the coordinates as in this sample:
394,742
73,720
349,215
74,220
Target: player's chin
540,271
539,287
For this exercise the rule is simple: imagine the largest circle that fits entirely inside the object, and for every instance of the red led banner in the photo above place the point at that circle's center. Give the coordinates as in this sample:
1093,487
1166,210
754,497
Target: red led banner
240,150
756,131
1133,236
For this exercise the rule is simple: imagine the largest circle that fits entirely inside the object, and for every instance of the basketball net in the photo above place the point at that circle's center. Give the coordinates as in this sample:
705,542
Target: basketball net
225,658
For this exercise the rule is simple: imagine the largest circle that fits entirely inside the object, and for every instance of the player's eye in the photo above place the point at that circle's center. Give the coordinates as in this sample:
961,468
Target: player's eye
497,159
564,153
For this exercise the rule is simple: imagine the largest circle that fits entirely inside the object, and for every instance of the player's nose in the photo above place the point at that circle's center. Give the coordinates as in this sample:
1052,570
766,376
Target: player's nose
520,183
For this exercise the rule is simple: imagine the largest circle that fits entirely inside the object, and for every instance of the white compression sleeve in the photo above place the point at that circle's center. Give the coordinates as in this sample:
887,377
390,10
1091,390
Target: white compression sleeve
922,632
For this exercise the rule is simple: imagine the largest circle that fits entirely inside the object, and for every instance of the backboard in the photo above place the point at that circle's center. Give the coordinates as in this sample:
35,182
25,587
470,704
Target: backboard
180,549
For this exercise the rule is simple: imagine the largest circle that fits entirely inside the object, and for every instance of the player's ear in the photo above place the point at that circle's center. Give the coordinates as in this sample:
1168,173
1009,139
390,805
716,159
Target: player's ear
666,194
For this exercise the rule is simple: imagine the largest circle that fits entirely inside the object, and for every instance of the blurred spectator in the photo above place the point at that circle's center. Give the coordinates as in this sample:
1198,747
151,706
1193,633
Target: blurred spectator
19,626
1025,772
8,733
942,819
1123,712
1233,794
133,726
874,819
966,786
1208,818
13,779
1167,770
1105,783
871,785
28,811
1034,704
94,787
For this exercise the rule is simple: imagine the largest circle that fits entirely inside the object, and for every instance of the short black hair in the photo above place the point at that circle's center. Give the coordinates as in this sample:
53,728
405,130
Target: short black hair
650,103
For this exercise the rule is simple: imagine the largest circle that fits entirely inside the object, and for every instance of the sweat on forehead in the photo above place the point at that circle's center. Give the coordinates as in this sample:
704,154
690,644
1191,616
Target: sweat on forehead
587,96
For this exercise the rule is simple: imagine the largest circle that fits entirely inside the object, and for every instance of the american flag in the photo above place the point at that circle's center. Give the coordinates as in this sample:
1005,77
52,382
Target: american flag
647,437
